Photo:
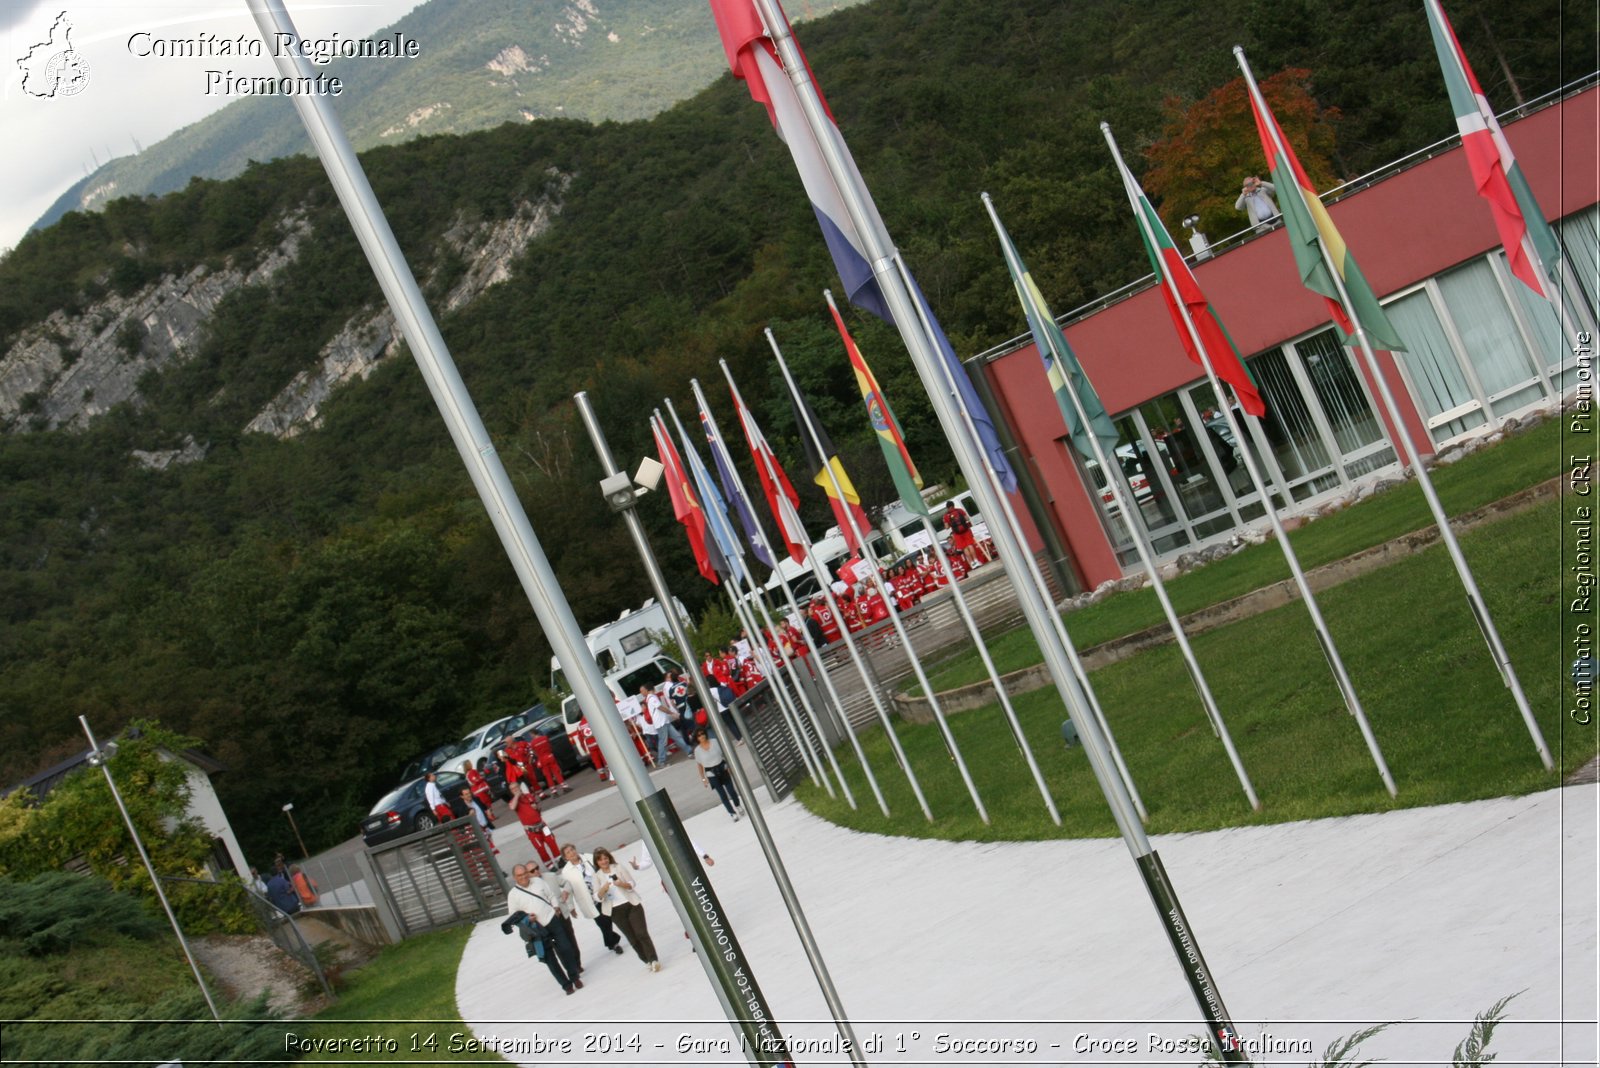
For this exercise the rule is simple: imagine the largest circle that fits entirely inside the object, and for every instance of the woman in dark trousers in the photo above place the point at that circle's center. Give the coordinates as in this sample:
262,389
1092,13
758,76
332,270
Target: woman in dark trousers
714,773
619,899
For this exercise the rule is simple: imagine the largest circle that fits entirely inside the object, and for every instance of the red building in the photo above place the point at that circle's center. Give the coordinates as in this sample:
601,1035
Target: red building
1481,347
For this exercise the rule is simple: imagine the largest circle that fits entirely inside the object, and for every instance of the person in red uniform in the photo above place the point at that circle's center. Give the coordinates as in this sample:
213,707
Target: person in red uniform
520,765
795,640
526,806
480,790
959,524
876,610
730,669
592,747
548,766
824,617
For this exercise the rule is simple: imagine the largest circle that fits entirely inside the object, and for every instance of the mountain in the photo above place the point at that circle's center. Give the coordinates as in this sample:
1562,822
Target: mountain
229,501
482,63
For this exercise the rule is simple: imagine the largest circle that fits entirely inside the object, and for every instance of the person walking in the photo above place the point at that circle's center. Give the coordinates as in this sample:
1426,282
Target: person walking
545,757
579,873
714,773
619,899
534,898
658,724
526,806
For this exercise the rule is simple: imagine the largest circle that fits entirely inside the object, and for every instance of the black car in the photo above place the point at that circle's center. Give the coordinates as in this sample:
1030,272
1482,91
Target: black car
432,760
404,811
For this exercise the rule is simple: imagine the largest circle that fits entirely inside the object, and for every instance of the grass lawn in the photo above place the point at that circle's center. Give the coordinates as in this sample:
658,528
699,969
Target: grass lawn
407,995
1479,479
1445,722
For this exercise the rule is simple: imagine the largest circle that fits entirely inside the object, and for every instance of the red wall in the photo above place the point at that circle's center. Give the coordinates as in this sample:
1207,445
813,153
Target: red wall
1408,227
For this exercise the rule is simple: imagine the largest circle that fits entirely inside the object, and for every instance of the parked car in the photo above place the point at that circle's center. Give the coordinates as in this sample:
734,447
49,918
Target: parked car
481,743
404,811
432,760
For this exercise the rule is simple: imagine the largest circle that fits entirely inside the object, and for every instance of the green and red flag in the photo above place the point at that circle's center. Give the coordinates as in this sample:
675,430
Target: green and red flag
1178,282
685,506
906,479
1311,231
1061,365
1531,246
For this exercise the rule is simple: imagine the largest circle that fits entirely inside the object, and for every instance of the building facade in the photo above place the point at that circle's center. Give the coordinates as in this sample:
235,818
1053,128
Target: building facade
1480,347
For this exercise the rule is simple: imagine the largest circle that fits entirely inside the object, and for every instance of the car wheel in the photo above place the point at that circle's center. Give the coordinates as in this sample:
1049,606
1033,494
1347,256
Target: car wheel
426,821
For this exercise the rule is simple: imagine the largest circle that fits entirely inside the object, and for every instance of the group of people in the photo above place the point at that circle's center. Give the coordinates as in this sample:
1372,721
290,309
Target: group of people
542,907
289,887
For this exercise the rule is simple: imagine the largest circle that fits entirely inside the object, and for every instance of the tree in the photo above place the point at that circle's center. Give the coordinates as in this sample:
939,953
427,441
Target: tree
1207,148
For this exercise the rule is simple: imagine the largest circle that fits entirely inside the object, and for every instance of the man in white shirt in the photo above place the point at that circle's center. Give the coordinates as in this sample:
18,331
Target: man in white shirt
533,896
657,723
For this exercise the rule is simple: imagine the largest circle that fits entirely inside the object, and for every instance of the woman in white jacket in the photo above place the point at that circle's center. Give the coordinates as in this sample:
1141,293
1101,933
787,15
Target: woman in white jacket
618,895
579,873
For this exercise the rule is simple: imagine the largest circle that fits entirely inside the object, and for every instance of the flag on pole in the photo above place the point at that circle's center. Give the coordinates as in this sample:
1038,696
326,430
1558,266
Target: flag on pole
822,460
906,479
1061,365
685,506
754,60
1169,265
732,492
773,483
716,512
1517,218
1311,229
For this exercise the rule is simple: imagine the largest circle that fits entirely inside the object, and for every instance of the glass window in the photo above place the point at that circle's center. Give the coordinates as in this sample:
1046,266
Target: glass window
1338,388
1580,234
1188,473
1487,331
1437,380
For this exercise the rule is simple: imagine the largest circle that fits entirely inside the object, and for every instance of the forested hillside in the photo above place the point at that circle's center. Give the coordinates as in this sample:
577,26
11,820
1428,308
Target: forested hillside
319,608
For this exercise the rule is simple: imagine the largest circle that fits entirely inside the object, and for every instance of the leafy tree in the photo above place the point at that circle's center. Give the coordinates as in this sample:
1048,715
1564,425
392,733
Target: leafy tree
1206,149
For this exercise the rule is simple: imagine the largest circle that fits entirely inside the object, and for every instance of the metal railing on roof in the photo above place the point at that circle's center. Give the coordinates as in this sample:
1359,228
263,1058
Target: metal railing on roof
1337,193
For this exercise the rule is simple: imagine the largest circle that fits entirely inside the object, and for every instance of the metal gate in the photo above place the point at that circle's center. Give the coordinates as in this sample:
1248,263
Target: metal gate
438,878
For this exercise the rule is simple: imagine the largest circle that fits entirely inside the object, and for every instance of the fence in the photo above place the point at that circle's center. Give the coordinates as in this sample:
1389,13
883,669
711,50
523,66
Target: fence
435,878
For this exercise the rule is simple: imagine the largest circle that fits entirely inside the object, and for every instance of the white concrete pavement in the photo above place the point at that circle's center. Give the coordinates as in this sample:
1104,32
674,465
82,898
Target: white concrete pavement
1313,930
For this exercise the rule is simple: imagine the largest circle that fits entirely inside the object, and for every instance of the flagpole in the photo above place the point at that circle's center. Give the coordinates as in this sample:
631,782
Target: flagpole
733,552
791,518
773,672
1324,638
1480,610
929,360
815,652
1134,521
960,599
729,968
769,848
809,429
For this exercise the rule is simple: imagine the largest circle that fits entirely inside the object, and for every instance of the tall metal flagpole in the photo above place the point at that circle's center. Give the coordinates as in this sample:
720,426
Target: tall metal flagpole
1324,638
978,643
101,758
733,586
731,973
928,360
769,849
1134,521
805,635
810,430
791,519
1480,610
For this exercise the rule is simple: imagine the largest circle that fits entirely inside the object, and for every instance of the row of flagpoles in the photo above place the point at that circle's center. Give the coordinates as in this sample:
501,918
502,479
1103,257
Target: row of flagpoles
763,53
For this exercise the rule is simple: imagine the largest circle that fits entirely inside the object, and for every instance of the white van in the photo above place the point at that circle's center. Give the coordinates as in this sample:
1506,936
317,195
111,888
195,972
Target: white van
628,655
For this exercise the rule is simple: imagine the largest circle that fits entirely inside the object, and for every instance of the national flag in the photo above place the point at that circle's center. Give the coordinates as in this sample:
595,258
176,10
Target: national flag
906,479
1169,265
733,491
822,460
685,505
1061,365
1311,229
1517,217
716,510
774,484
753,58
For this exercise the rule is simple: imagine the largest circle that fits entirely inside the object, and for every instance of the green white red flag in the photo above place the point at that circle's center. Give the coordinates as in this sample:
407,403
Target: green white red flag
1176,278
1531,246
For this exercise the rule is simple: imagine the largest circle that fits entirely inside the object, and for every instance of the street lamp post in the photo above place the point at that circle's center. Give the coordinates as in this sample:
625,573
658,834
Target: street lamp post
99,758
288,810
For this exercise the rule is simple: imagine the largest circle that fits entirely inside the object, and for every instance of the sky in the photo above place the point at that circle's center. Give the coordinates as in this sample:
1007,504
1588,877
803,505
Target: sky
126,100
